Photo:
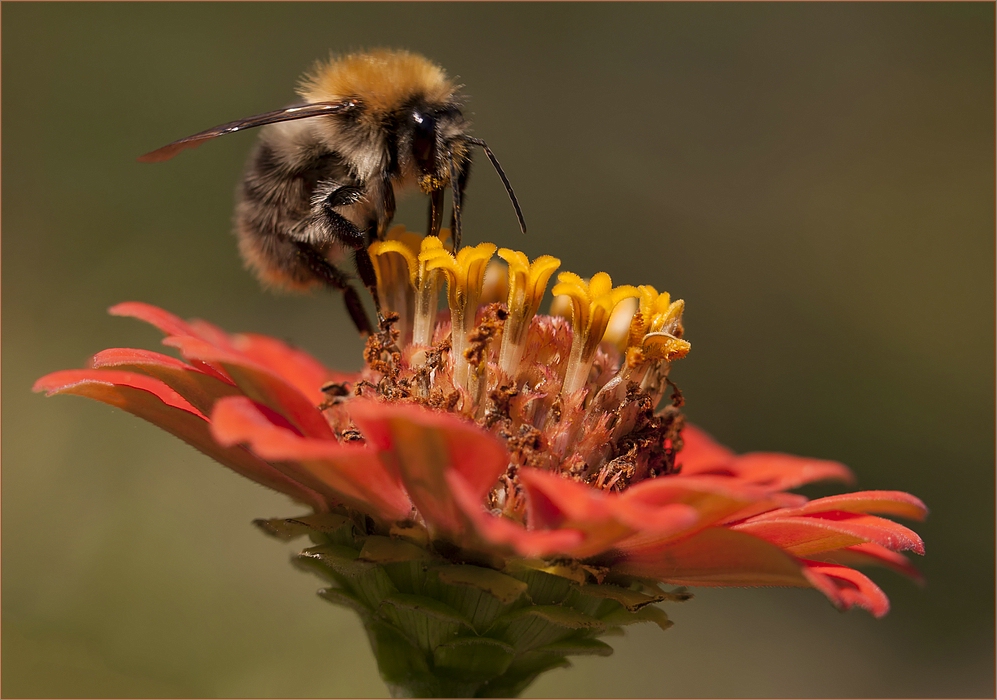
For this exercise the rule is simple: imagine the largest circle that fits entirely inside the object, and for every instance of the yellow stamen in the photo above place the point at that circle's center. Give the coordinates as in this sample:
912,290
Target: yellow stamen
465,275
618,330
592,304
396,266
416,300
656,329
496,286
527,284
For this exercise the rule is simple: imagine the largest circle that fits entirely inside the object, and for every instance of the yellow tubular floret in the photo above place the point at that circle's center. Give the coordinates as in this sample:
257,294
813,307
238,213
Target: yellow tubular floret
396,267
618,330
592,305
427,290
656,329
465,275
527,284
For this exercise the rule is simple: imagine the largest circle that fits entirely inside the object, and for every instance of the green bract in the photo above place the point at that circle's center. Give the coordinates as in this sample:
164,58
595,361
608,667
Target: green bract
445,629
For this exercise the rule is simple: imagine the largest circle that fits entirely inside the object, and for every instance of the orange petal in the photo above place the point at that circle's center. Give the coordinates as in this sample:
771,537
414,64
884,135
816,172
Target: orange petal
715,498
803,535
151,399
779,471
298,368
173,325
871,554
168,323
422,446
348,474
259,383
847,588
896,503
555,502
604,518
715,556
502,532
200,388
700,452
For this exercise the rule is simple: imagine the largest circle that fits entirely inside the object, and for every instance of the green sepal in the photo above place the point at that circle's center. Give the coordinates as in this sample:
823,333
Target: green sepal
539,625
522,671
651,613
577,647
403,667
342,560
416,534
446,629
287,529
341,565
480,594
650,587
382,550
424,621
572,571
473,659
344,598
505,589
546,588
630,599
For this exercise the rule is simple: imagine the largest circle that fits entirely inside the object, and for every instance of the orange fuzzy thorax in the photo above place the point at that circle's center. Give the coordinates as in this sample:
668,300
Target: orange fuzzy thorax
382,79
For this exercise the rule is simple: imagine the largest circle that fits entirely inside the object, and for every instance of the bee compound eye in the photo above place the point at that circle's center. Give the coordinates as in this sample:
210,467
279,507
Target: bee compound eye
424,140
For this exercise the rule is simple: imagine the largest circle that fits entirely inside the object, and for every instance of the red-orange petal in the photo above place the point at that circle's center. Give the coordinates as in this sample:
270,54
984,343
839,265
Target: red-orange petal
166,322
715,556
297,367
896,503
260,384
200,388
151,399
803,535
350,474
501,532
171,325
714,497
556,502
871,554
780,472
847,587
700,452
422,446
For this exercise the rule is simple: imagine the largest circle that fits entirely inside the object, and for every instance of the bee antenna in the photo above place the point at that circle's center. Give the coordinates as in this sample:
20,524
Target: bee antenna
501,174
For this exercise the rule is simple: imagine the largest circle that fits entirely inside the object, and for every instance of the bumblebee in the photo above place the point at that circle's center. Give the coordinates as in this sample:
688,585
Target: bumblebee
322,181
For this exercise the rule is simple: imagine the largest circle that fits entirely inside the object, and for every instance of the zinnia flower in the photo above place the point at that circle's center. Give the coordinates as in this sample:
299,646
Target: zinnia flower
495,489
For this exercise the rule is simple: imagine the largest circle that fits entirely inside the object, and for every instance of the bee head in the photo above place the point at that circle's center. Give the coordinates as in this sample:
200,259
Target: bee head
436,138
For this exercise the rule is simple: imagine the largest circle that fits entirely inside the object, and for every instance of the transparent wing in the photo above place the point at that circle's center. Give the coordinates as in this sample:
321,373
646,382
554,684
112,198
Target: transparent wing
313,109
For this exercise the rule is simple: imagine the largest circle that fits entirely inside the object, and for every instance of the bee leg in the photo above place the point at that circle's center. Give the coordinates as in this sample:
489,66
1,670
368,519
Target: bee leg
435,212
341,228
365,268
337,279
349,234
458,180
388,205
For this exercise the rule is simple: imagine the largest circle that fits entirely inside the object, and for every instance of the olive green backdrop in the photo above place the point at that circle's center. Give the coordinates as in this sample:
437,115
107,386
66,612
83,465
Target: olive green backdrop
816,181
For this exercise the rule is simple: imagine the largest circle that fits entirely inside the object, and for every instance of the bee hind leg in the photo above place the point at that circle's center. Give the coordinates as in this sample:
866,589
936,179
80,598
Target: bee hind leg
333,277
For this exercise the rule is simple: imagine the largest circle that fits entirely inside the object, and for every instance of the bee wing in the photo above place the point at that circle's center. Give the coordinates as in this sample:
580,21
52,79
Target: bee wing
313,109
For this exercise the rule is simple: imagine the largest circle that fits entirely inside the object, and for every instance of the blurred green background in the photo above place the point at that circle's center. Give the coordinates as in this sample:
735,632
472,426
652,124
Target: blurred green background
817,181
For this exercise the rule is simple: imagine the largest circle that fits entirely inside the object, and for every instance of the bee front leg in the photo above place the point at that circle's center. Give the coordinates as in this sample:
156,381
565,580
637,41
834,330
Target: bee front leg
435,213
337,279
337,225
350,235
